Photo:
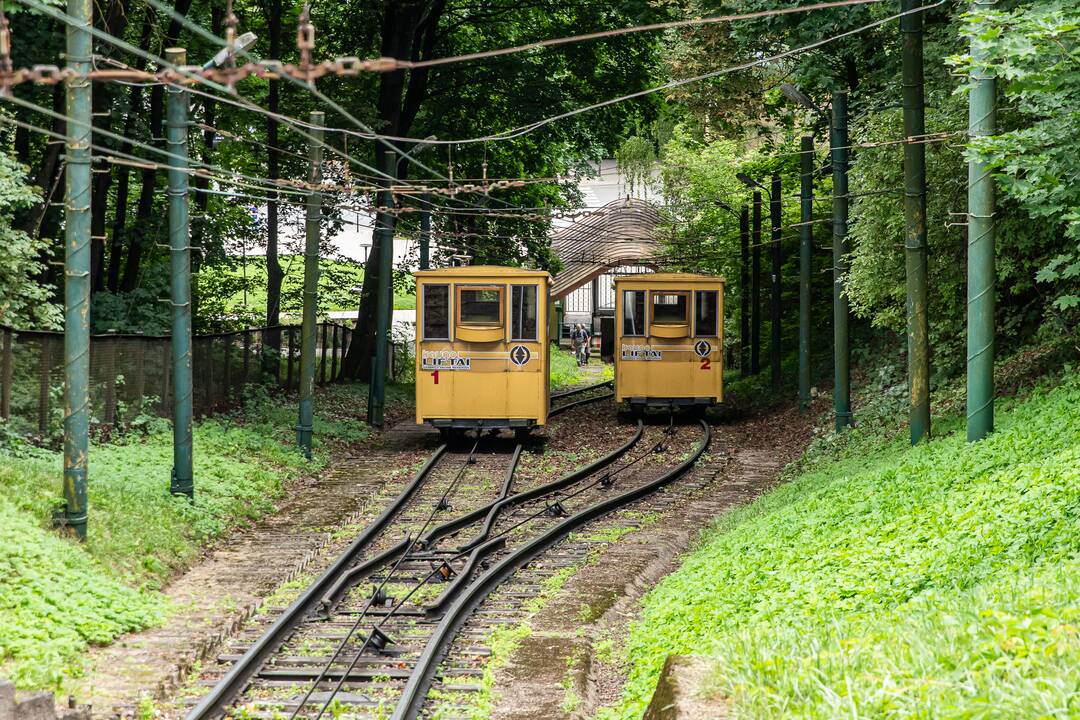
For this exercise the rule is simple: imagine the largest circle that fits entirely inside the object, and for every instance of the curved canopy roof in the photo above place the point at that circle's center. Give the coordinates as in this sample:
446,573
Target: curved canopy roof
620,233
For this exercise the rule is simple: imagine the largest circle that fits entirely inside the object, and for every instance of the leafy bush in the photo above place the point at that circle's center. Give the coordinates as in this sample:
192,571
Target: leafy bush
885,580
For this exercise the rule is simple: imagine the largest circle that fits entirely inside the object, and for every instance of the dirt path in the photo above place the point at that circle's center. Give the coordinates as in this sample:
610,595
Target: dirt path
216,596
565,667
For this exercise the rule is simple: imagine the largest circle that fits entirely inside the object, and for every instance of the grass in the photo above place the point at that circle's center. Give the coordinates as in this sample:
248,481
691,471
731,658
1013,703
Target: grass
564,371
57,597
888,581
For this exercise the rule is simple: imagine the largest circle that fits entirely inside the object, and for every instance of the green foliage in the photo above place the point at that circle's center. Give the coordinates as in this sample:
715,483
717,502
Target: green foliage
635,159
564,371
890,581
24,302
1034,50
57,597
237,288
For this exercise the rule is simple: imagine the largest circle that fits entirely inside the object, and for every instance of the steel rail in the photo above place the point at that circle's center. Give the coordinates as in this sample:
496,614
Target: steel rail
587,388
578,403
355,574
214,702
419,682
359,572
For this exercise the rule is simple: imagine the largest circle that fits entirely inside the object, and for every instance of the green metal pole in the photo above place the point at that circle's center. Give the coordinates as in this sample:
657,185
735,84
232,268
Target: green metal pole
755,284
806,240
744,291
982,121
77,268
838,141
918,329
777,262
176,129
385,307
425,234
311,290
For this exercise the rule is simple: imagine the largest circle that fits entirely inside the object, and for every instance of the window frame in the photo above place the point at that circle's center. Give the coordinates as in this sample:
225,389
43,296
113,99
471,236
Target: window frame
449,312
501,289
652,308
536,305
716,308
644,320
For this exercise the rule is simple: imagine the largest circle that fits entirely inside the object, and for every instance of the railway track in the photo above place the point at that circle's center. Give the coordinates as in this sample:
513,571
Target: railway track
404,610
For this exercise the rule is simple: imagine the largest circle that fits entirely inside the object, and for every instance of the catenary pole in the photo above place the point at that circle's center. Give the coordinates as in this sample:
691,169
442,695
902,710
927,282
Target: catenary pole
806,240
918,330
385,305
425,234
77,267
982,121
176,131
744,291
313,220
838,140
777,262
755,283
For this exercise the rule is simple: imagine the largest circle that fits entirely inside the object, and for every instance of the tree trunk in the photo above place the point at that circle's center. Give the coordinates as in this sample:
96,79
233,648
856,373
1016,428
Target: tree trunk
48,169
123,172
114,23
274,274
144,215
409,30
202,183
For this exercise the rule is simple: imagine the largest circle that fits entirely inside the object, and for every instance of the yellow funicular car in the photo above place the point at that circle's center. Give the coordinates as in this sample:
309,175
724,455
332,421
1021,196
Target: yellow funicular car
482,348
669,340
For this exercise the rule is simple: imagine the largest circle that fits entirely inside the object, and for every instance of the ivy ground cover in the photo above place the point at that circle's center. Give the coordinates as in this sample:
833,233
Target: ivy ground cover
57,596
885,581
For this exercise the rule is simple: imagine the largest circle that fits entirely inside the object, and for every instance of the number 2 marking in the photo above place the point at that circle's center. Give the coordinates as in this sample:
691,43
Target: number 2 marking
705,364
435,374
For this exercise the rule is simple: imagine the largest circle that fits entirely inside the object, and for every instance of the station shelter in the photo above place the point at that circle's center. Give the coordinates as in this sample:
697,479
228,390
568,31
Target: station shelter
616,239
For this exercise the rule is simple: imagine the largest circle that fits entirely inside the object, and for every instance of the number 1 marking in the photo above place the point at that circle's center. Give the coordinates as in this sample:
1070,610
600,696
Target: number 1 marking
435,374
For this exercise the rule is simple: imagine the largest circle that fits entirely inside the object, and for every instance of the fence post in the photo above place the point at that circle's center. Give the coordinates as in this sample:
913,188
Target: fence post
247,356
755,283
77,266
322,355
806,246
982,121
183,481
333,353
918,325
744,291
6,374
44,371
139,385
108,374
777,263
290,346
227,343
311,290
838,141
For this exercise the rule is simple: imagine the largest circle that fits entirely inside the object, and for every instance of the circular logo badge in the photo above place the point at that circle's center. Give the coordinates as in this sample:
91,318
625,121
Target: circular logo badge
702,348
519,355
